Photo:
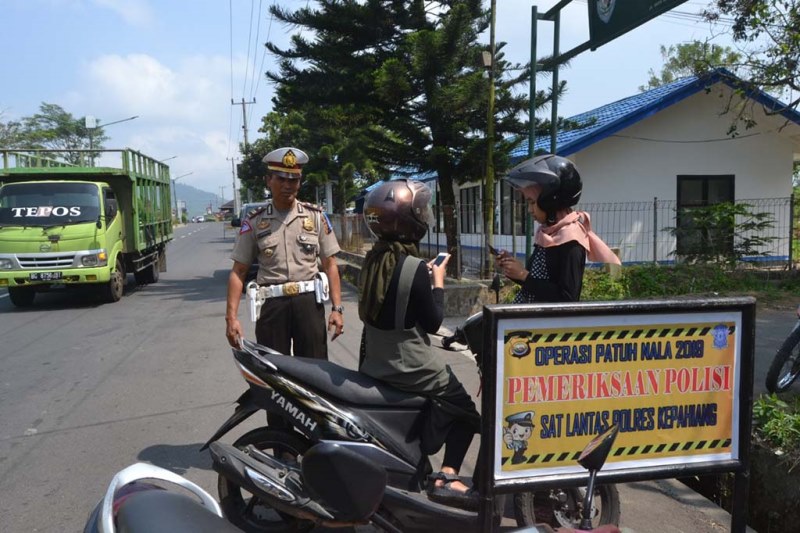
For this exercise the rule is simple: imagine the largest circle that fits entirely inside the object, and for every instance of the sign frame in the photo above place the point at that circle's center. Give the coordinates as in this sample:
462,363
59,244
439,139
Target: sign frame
743,308
613,18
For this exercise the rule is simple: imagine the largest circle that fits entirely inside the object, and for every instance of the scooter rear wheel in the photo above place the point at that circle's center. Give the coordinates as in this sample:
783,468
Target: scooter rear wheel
562,507
245,510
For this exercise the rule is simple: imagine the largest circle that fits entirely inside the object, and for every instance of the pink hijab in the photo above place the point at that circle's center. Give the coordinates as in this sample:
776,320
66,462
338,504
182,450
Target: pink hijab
575,226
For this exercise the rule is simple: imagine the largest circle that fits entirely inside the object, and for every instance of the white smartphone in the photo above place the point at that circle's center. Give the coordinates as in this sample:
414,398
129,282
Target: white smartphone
440,258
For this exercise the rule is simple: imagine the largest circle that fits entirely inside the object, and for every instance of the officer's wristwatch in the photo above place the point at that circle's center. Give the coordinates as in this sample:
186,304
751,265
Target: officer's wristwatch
338,308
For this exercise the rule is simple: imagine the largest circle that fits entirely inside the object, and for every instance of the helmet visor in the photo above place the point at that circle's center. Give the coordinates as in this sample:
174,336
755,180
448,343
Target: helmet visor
422,203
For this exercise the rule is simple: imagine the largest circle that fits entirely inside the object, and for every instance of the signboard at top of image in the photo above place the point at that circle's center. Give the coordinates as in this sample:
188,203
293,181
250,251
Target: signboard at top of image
608,19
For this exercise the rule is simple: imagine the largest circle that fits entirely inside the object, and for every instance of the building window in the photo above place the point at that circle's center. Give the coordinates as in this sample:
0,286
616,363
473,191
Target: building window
696,192
471,211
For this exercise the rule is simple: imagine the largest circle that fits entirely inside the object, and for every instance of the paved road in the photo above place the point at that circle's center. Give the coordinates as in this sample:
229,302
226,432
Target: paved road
88,388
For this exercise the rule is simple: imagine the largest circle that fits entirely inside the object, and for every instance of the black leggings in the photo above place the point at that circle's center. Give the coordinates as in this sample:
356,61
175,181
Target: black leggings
462,426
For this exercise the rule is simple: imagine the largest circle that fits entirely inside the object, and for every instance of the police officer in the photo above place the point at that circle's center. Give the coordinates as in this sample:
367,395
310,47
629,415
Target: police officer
287,237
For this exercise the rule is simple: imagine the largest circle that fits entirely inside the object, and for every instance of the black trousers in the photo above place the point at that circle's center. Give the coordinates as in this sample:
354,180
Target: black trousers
292,325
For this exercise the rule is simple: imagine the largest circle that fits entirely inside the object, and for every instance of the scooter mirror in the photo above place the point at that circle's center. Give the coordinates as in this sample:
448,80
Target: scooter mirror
594,455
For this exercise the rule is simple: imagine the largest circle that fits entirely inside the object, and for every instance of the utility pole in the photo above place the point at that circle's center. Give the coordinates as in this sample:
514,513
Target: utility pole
489,192
221,195
244,128
244,117
233,174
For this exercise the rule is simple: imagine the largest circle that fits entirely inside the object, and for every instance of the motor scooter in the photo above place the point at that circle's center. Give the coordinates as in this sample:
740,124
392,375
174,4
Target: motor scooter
785,367
259,484
320,482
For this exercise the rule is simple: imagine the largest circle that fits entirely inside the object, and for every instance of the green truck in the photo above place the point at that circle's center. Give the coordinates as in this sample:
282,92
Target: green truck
68,223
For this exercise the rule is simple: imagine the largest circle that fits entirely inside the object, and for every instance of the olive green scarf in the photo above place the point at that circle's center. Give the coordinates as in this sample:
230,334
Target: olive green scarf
376,274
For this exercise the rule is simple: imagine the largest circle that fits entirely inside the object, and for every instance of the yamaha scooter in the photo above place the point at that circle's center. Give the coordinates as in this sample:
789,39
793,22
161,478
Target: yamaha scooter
132,505
259,484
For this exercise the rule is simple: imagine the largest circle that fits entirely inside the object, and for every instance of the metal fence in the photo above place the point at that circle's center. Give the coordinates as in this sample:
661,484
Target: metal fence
640,231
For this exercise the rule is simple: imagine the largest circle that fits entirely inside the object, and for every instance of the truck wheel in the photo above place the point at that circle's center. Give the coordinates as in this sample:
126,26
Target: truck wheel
149,275
21,296
116,285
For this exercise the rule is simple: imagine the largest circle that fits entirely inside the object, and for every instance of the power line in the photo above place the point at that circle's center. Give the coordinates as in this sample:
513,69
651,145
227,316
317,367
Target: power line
244,116
230,29
247,57
680,141
264,53
255,51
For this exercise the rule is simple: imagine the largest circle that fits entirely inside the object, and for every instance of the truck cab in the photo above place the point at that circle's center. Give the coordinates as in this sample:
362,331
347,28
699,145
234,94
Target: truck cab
71,226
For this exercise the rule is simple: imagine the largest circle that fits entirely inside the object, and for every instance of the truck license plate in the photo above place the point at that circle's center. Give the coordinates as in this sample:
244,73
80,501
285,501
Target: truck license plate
45,276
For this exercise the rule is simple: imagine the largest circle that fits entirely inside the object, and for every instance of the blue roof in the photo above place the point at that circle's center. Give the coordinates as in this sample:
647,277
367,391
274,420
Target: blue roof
611,118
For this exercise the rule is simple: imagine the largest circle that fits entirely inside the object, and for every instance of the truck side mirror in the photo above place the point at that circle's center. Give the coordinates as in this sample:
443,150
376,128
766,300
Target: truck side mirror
236,222
111,208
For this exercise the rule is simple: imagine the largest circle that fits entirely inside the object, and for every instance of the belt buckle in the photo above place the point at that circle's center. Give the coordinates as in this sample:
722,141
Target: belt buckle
291,289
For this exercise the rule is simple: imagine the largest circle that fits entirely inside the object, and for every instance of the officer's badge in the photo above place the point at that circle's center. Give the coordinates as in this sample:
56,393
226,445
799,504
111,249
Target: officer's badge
245,227
263,224
289,159
308,224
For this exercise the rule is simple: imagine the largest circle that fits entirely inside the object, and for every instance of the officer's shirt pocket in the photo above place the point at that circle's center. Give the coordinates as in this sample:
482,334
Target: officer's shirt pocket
307,245
268,248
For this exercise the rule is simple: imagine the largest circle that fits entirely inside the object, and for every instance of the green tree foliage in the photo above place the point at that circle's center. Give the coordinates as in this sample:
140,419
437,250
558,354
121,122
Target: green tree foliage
9,133
726,232
687,59
54,129
770,30
396,87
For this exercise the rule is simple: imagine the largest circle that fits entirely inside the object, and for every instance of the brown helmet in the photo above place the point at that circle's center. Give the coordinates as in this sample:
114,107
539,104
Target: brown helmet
399,210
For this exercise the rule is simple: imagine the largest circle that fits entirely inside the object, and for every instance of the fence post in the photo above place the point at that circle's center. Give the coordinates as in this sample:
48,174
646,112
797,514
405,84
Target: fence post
655,229
791,231
458,232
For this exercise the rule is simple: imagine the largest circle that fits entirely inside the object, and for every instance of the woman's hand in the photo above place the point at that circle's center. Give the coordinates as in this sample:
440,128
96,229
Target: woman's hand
510,267
438,271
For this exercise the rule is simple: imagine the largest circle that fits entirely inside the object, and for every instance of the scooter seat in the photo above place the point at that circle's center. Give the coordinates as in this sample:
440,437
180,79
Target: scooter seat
348,386
161,511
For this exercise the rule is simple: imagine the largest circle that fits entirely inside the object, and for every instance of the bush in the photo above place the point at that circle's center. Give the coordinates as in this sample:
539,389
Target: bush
777,423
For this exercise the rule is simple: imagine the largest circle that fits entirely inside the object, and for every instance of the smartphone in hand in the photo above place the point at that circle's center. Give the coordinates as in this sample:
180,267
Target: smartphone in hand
440,258
494,251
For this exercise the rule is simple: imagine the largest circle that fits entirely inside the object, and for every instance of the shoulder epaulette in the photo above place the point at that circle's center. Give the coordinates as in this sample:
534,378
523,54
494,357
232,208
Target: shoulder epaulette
309,205
257,212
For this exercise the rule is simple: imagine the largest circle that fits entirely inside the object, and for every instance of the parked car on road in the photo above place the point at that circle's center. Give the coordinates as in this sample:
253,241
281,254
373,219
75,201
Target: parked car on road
246,211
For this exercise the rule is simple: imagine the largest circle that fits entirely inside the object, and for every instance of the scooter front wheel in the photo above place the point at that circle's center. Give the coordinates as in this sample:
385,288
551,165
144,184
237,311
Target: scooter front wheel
247,511
562,507
785,367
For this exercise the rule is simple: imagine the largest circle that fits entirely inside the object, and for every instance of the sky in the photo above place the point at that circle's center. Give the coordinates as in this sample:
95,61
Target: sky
178,64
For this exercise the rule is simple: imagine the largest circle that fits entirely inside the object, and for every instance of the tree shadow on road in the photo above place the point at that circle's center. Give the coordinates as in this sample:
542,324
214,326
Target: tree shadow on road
177,458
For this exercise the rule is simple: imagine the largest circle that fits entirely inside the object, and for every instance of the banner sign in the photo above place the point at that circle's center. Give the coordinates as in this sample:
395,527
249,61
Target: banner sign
608,19
670,381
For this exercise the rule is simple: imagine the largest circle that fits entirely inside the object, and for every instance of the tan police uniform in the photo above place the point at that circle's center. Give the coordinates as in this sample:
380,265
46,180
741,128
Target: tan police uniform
288,246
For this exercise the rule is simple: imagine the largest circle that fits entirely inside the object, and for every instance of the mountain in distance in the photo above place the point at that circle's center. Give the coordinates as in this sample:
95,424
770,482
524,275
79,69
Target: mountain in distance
197,201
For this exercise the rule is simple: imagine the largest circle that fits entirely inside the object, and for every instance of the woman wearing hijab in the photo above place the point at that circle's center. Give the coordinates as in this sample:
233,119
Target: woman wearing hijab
400,309
564,239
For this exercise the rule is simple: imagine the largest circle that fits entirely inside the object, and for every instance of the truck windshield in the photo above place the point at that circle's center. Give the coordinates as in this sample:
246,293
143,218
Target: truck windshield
48,204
